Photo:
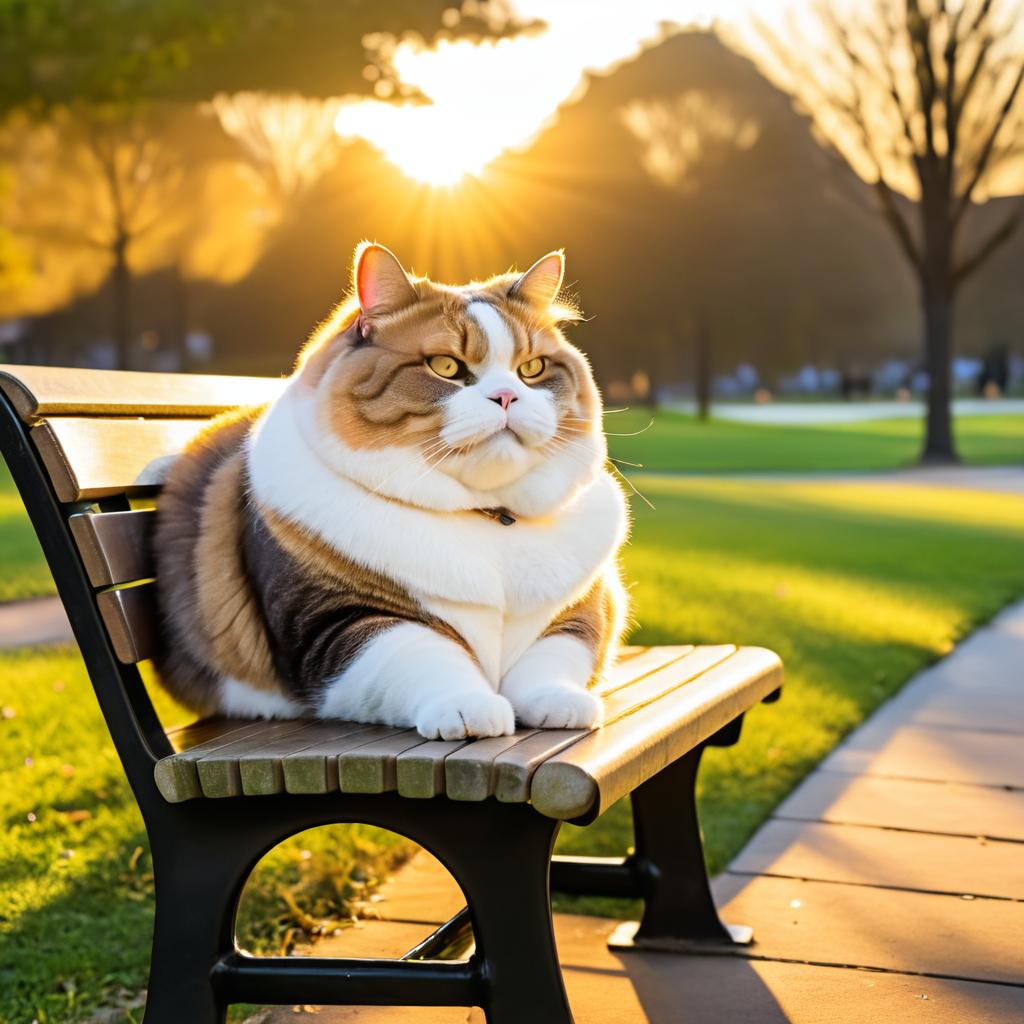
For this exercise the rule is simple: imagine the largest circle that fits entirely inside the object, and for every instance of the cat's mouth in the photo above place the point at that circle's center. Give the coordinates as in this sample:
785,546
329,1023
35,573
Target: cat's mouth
497,436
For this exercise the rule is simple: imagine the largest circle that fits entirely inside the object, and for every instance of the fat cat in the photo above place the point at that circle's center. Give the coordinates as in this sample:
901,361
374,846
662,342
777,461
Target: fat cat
419,532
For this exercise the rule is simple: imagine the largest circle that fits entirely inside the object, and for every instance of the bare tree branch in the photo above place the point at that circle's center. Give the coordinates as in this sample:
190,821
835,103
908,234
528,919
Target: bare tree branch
919,33
985,155
995,241
895,219
885,48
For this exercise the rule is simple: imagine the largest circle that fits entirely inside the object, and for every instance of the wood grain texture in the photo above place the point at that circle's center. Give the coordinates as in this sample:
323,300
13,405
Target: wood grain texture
219,770
130,615
514,768
37,391
637,662
666,704
314,769
95,458
372,768
115,546
470,772
420,771
176,776
590,775
631,697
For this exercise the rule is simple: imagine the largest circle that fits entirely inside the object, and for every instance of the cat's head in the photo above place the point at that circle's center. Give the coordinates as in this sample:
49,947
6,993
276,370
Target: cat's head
454,396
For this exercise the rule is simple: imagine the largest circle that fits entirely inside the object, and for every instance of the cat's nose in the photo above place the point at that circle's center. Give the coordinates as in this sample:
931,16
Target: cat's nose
505,397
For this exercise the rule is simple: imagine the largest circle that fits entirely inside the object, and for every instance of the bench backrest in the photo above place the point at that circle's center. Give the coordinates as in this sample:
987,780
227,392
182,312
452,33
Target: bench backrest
102,441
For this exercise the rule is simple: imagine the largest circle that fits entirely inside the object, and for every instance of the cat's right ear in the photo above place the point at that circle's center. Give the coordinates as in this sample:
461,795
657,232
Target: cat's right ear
379,282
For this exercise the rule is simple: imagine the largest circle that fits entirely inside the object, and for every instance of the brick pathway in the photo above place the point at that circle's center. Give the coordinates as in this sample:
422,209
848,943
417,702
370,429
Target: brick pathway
888,888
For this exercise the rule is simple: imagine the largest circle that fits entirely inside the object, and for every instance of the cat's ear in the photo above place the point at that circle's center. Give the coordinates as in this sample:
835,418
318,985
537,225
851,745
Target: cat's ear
541,284
380,283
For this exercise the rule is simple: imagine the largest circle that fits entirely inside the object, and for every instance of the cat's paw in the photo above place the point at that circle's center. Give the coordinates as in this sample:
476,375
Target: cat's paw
462,715
559,707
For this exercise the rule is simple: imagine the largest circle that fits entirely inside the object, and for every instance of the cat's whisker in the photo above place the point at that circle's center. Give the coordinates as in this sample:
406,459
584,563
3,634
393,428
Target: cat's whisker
634,489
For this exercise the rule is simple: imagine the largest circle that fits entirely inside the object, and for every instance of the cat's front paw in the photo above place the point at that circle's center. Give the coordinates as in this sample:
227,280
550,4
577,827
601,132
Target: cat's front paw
462,715
559,707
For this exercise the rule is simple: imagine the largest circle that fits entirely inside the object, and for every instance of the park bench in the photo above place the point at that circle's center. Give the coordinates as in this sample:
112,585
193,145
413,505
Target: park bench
87,450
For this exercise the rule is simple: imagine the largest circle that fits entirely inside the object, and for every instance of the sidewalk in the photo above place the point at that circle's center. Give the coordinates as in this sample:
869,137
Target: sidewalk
41,620
994,479
889,887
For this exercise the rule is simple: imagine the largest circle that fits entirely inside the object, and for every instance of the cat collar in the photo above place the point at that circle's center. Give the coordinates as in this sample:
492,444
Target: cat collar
502,515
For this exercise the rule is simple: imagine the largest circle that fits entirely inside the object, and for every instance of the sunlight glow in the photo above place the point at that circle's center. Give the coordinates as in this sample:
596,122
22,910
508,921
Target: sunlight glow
492,96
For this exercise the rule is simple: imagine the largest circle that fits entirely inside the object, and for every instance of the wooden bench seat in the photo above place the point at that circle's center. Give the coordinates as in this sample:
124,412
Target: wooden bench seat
88,451
660,702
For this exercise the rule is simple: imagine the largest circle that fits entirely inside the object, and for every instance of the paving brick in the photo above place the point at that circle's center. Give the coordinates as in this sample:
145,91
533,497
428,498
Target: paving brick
873,856
925,752
654,988
423,890
960,707
988,659
826,923
897,803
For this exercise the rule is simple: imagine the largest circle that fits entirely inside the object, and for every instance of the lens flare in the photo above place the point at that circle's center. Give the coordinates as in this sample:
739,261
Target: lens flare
486,97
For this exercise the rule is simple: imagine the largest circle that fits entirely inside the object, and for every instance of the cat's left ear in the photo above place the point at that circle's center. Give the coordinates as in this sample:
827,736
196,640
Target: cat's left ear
541,284
381,285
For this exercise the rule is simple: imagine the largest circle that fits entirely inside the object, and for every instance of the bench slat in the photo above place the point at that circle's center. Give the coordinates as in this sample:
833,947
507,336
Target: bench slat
372,767
176,776
37,391
115,546
420,771
514,768
566,774
314,769
130,615
591,774
469,772
651,687
95,458
219,772
634,664
262,771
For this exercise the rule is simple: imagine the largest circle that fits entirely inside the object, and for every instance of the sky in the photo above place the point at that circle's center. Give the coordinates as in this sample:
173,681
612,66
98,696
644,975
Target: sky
497,95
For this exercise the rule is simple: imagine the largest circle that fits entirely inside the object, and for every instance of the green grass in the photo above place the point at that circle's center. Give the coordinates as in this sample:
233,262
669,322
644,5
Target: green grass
674,443
23,571
678,443
76,903
856,585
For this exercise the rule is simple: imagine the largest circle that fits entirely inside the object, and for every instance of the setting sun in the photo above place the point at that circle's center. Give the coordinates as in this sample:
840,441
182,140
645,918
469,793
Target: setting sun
491,96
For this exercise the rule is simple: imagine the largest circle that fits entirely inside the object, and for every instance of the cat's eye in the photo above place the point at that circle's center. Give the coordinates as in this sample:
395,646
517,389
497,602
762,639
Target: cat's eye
532,368
447,367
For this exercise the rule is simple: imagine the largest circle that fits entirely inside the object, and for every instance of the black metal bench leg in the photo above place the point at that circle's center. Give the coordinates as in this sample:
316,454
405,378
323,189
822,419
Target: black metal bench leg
504,871
197,891
679,911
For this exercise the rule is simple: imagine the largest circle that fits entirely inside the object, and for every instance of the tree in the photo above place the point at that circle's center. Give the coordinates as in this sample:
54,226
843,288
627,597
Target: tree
104,75
922,98
686,138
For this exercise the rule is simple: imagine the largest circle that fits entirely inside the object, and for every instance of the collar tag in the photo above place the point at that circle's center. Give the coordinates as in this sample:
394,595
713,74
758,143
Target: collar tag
502,515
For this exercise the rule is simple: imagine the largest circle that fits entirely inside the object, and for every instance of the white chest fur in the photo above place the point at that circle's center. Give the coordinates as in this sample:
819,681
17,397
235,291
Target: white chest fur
498,585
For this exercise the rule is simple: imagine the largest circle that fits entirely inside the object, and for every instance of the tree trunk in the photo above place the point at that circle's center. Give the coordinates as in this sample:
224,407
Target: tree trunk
702,369
122,299
179,297
939,448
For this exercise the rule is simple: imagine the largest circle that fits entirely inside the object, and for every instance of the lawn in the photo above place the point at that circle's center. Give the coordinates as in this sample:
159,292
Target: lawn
857,585
672,443
678,443
23,571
